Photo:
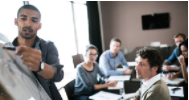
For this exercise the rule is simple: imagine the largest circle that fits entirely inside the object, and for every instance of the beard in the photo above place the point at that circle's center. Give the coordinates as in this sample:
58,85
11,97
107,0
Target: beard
27,36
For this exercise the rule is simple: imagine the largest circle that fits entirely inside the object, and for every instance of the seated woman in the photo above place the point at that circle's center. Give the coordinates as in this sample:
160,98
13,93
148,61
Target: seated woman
86,79
183,60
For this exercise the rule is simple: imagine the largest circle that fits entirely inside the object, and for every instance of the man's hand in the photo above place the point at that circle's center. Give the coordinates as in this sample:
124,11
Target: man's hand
170,76
31,57
127,71
133,99
181,59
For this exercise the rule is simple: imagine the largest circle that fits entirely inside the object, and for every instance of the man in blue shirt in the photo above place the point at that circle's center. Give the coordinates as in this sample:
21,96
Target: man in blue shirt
174,56
112,58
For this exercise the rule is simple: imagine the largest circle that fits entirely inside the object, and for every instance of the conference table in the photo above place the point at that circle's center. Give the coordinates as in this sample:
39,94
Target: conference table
133,84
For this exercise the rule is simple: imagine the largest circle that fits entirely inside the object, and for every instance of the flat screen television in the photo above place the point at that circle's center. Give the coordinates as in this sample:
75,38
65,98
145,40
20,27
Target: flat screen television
155,21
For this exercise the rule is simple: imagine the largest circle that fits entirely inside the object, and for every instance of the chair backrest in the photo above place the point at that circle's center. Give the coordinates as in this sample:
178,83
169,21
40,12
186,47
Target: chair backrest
125,51
69,88
131,86
77,59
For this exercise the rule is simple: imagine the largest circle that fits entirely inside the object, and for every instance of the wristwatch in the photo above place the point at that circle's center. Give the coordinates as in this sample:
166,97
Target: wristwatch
41,67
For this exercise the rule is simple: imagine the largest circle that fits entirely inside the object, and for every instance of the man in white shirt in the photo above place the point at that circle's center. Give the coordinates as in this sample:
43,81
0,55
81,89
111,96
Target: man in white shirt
149,63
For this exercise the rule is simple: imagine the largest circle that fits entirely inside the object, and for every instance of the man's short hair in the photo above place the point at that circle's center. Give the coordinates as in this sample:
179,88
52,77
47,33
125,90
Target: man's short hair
116,40
180,34
31,7
154,57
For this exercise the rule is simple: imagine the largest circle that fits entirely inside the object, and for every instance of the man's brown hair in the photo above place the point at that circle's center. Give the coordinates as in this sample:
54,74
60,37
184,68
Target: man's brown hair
180,34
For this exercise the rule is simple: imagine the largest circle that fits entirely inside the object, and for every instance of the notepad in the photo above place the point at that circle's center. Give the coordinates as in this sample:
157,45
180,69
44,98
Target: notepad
120,78
126,96
102,95
175,81
133,63
118,86
170,66
178,93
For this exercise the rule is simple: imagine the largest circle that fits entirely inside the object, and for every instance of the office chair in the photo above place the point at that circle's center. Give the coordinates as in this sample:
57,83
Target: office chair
77,59
69,89
131,86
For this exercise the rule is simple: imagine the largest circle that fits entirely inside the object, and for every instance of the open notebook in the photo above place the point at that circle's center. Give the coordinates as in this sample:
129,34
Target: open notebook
175,81
120,77
119,85
102,95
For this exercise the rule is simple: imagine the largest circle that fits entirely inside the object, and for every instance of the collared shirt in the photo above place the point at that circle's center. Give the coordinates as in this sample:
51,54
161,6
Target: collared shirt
150,82
108,63
173,57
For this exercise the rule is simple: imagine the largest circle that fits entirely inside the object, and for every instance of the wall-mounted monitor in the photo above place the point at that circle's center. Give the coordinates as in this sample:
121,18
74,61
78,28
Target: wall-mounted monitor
155,21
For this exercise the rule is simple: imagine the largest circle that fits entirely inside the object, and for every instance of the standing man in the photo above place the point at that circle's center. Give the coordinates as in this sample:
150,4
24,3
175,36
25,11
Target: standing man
40,56
110,59
174,56
149,63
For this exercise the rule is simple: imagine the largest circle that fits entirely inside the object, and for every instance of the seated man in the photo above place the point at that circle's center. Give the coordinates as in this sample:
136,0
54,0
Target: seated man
110,59
174,56
149,63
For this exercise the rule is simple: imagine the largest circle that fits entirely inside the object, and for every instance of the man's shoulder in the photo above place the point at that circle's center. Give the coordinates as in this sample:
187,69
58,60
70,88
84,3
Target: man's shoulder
105,53
120,53
46,45
157,86
176,50
44,42
160,88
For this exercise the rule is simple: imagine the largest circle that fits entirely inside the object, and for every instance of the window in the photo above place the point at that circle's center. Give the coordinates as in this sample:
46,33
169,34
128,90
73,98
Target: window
8,13
63,22
81,23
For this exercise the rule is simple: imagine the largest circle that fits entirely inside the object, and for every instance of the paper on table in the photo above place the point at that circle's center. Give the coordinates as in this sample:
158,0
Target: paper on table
118,86
102,95
133,63
170,66
120,69
175,81
173,65
178,93
120,78
128,95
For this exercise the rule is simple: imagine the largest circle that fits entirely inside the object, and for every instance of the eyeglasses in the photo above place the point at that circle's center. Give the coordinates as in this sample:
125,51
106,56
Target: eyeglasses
94,55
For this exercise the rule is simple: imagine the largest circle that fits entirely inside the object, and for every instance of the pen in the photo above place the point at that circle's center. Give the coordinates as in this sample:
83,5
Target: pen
10,48
174,90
